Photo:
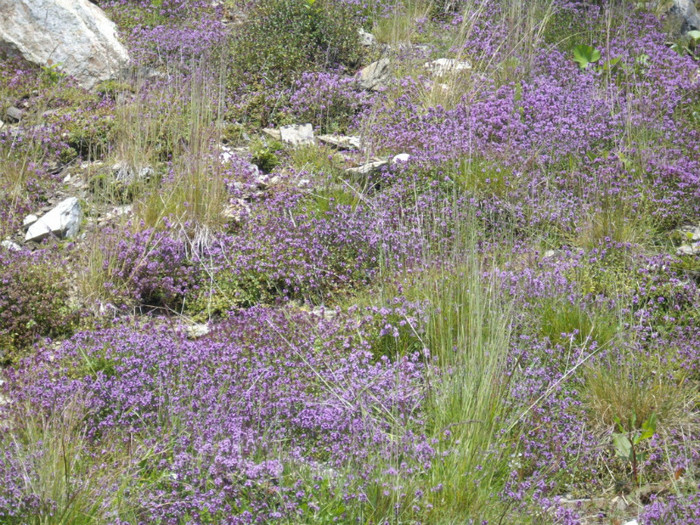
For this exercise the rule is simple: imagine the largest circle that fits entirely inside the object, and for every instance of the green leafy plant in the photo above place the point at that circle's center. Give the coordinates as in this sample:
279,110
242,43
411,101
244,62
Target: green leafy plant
689,44
626,440
284,38
264,154
584,55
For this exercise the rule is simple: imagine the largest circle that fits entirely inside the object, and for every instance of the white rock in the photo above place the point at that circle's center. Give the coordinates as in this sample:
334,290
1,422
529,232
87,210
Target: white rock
376,75
75,36
196,331
272,132
297,134
401,157
63,221
690,233
9,245
366,169
689,249
366,39
29,220
631,522
341,141
443,66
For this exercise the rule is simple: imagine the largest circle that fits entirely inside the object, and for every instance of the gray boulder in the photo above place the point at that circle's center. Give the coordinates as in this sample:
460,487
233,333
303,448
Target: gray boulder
375,76
63,221
75,36
687,14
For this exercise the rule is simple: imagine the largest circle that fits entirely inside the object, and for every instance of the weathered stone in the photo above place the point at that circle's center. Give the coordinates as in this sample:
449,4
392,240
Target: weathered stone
341,141
9,245
444,66
75,36
29,220
366,39
14,114
62,221
272,132
375,76
298,134
367,169
123,172
198,330
401,157
687,14
689,249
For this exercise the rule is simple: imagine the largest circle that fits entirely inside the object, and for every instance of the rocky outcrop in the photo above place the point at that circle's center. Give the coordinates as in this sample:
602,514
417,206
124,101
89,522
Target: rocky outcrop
74,36
62,221
687,14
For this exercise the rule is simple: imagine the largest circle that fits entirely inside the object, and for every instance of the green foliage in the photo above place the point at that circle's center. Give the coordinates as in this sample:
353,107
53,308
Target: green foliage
585,55
34,302
627,439
265,153
688,44
227,291
284,38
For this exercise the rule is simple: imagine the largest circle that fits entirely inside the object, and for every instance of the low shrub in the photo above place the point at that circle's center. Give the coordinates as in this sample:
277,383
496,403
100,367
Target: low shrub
284,38
34,301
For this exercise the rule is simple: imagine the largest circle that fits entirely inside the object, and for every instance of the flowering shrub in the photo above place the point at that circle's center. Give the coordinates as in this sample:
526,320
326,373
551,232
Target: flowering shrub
33,301
222,417
329,101
149,267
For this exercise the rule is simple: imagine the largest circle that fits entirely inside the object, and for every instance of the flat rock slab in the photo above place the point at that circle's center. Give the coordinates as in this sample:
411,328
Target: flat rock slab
367,169
341,141
63,221
75,36
298,134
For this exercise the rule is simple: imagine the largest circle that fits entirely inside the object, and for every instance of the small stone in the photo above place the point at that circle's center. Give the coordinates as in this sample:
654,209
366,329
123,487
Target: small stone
63,220
400,158
631,522
690,232
376,75
366,39
689,249
14,114
67,178
198,330
341,141
443,66
297,134
29,220
9,245
272,132
367,169
549,254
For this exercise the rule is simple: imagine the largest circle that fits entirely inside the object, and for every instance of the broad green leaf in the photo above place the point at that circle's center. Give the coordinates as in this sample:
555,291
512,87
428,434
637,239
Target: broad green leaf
648,428
584,55
622,445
